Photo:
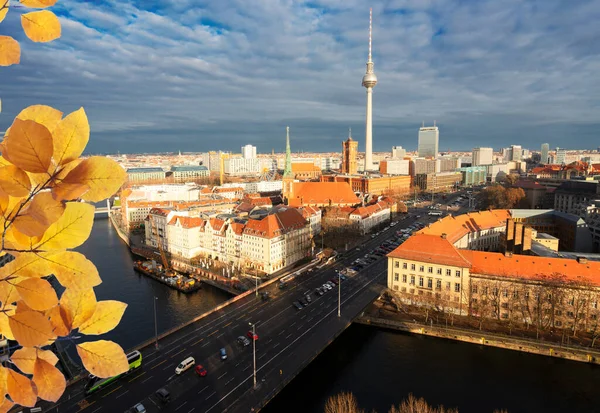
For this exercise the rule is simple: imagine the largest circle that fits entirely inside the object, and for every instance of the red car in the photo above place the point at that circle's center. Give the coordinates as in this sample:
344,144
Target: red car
200,371
252,336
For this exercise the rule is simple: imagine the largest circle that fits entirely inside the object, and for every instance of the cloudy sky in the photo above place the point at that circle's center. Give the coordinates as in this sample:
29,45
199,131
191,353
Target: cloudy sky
193,75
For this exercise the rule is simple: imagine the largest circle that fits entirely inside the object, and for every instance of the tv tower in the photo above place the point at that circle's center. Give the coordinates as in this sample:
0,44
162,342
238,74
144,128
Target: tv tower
369,81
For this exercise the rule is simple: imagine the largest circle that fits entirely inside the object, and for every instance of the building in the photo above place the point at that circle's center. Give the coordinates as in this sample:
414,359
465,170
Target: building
482,156
321,194
561,156
544,153
395,167
438,182
248,152
448,164
373,184
574,196
360,219
237,166
429,139
425,166
398,152
473,175
212,160
189,172
369,81
145,174
350,156
306,171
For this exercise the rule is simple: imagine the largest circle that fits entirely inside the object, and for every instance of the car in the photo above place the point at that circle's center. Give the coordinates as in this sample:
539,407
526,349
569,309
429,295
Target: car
223,353
308,298
200,370
343,277
330,284
163,395
138,408
334,280
184,365
303,301
264,296
319,291
252,335
297,305
243,341
327,286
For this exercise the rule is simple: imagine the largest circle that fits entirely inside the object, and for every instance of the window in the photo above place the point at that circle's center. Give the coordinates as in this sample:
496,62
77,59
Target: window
448,284
558,312
420,281
404,265
413,267
458,273
474,289
495,291
397,264
421,268
572,301
396,277
515,294
456,287
438,284
505,293
558,324
412,280
439,271
430,270
570,314
429,283
448,272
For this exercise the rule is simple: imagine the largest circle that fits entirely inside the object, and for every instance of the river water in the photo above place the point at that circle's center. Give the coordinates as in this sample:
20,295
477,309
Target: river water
380,367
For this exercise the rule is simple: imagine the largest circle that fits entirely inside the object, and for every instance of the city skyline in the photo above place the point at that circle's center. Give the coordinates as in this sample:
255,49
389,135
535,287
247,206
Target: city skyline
164,80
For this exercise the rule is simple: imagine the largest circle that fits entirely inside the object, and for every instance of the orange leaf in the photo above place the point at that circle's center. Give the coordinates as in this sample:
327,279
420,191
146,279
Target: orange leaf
70,137
69,192
60,320
20,389
103,358
14,181
10,51
4,325
3,9
19,241
80,305
3,376
43,211
31,328
25,357
6,405
37,293
72,228
49,380
103,176
46,115
41,26
38,4
106,317
22,307
29,146
8,291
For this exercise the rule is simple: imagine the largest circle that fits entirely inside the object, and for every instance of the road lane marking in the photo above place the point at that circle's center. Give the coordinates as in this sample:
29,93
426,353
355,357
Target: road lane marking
187,341
197,341
99,408
179,352
85,407
230,380
206,387
191,410
269,340
164,361
173,349
112,391
281,332
229,323
221,375
184,403
205,344
137,377
303,317
276,344
247,368
170,366
293,324
220,335
288,336
148,378
211,395
264,354
126,391
214,332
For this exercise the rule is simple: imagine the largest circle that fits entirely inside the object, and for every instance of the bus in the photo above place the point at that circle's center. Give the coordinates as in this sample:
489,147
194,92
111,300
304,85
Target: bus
436,213
95,383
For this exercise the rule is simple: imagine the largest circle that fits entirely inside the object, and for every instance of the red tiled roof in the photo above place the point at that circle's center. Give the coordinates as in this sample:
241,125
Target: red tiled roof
160,211
305,167
276,224
457,227
335,193
216,223
187,222
430,249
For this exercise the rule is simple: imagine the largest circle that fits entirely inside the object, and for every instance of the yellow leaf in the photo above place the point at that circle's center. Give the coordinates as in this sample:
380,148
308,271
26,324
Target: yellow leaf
10,51
39,179
104,177
60,320
41,26
8,291
29,146
3,162
106,317
38,4
43,211
14,181
4,325
70,137
3,9
6,405
72,269
49,380
72,228
46,115
22,307
24,358
103,358
80,306
15,239
20,389
3,376
69,192
31,328
37,293
27,264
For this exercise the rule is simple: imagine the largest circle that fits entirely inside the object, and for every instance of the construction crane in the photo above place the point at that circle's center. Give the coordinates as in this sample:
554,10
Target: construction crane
163,256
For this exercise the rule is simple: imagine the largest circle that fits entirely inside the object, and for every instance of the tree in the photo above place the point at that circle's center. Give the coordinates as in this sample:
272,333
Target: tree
418,405
45,188
344,402
511,179
499,197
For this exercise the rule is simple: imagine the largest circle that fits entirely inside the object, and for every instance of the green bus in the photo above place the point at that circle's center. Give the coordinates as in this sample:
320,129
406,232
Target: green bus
95,383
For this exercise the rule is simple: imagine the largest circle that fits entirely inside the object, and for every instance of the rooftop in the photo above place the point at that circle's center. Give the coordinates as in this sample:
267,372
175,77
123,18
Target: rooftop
143,170
189,168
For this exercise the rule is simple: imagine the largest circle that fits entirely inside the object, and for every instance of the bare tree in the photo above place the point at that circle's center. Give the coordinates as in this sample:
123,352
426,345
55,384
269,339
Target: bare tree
344,402
418,405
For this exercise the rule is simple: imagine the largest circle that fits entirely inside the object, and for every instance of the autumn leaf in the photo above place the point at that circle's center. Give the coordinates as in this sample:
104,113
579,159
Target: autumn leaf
103,358
14,181
106,317
38,4
5,405
25,357
43,114
29,146
42,212
60,320
19,241
20,389
27,264
8,291
41,26
49,381
79,304
3,9
69,192
37,293
10,51
70,137
72,228
31,328
72,269
22,307
102,175
4,318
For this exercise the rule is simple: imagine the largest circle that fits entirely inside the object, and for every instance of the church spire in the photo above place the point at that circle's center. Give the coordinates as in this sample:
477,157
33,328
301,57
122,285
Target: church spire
287,172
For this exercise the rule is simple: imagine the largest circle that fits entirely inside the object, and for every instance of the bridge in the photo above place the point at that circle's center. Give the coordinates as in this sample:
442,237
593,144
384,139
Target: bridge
288,340
103,210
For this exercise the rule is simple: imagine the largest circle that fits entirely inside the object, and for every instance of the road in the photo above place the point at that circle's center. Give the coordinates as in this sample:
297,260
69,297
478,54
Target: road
288,340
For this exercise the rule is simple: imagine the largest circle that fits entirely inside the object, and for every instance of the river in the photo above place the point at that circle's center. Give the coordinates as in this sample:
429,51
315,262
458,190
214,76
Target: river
380,367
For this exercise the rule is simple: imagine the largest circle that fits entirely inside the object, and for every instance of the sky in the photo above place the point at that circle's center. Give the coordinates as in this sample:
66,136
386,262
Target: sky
193,75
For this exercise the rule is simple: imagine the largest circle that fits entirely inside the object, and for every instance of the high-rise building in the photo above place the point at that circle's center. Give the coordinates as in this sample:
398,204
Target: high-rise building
349,155
517,152
544,153
398,152
429,140
248,152
561,155
482,156
369,81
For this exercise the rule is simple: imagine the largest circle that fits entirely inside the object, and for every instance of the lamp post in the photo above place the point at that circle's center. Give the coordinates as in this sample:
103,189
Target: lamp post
339,294
256,281
155,324
254,350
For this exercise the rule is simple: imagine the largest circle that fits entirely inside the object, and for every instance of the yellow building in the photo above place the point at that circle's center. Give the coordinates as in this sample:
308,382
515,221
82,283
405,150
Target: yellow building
374,185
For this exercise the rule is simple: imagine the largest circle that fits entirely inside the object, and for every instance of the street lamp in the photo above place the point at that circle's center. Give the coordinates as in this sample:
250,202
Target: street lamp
339,294
256,281
254,349
155,324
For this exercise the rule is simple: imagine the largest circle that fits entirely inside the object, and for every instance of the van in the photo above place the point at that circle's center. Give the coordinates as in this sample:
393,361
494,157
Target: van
163,395
184,365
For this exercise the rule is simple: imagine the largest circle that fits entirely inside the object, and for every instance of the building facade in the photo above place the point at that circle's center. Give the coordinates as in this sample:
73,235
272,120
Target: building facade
398,152
428,144
189,172
248,151
482,156
395,167
145,174
544,153
473,175
438,182
350,156
241,166
374,185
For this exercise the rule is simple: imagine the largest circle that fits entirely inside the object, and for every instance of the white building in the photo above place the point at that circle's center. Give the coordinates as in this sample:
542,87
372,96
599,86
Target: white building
166,192
398,152
544,153
371,216
482,156
561,155
395,167
248,152
188,172
425,166
429,138
241,166
145,174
